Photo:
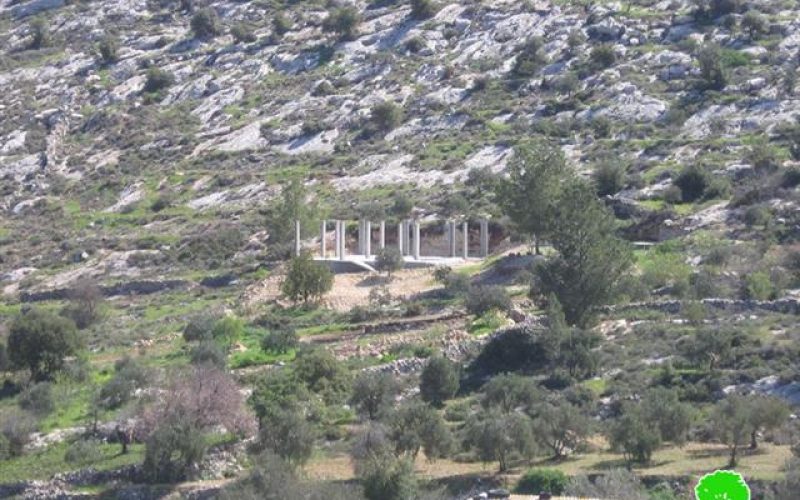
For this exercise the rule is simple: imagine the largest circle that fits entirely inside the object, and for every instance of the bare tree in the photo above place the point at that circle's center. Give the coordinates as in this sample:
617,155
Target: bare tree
86,301
204,397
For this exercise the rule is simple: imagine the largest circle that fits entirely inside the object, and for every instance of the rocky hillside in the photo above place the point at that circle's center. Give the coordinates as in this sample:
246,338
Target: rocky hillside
127,134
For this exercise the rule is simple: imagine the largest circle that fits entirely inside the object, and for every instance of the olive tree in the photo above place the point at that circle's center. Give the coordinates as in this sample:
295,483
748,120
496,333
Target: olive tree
389,260
439,380
731,424
306,279
373,394
634,436
497,436
40,341
416,426
288,434
562,427
508,392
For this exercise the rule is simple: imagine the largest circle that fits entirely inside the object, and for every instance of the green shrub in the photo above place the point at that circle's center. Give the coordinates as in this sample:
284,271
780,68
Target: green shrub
199,327
636,438
603,56
83,451
712,9
208,353
457,412
672,194
15,429
129,375
609,178
791,177
163,201
227,331
757,215
323,374
758,286
373,394
344,21
38,399
281,24
755,24
415,44
536,481
718,188
306,279
280,341
158,80
482,299
763,157
389,260
712,68
288,434
108,49
205,23
389,479
601,127
439,380
530,58
386,116
692,182
40,34
212,245
243,33
423,9
5,364
171,450
40,341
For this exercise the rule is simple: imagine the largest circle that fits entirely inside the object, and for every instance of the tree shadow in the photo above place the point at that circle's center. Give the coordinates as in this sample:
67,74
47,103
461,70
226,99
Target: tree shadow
466,484
611,464
708,453
374,280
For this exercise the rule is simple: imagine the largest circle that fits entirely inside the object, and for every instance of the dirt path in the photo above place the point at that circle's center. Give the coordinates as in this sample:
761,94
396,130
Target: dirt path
349,290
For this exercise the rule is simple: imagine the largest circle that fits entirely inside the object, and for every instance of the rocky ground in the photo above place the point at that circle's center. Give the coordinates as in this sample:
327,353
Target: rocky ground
85,152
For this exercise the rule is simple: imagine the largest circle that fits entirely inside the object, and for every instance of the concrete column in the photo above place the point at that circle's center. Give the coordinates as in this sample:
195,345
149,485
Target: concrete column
360,239
407,237
416,240
367,238
452,230
342,239
337,224
382,237
322,238
484,238
400,239
465,239
296,237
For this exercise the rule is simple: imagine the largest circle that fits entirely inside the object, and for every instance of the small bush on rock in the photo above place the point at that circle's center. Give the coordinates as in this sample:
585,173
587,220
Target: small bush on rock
205,23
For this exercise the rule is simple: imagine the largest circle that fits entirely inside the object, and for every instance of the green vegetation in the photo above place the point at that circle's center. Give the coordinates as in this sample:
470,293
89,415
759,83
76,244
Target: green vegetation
40,341
537,481
205,23
306,280
344,21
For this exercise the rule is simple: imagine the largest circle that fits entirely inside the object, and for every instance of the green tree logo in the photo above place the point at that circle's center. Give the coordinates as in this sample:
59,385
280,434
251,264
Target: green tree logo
722,485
